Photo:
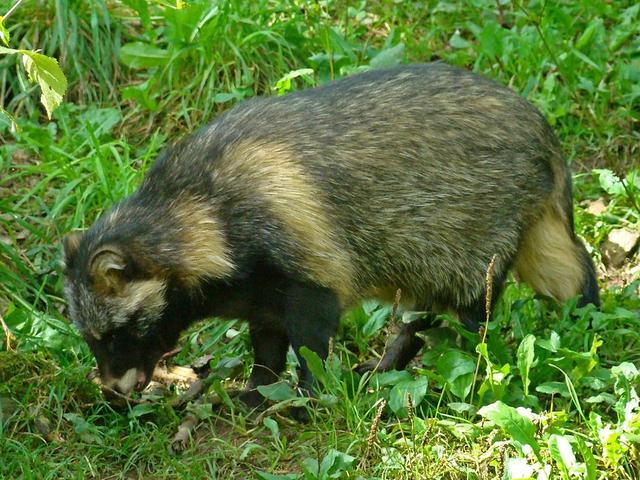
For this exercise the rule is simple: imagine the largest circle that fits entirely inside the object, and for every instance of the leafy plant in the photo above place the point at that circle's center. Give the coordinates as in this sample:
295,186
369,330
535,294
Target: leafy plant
41,69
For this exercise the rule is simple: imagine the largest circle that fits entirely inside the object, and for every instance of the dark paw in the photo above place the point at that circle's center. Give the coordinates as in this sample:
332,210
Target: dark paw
300,414
251,398
373,365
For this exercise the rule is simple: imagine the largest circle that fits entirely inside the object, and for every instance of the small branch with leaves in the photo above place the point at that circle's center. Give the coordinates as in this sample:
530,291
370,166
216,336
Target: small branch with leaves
40,68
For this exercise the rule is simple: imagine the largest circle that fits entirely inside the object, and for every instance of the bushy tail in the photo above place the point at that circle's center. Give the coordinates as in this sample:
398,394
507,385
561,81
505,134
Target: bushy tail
551,259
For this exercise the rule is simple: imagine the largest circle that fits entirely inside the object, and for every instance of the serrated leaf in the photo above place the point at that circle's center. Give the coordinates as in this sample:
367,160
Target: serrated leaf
609,181
142,55
46,72
526,356
508,419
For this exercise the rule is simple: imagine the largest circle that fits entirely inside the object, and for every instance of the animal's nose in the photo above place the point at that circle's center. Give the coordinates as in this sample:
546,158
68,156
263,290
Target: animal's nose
142,381
126,382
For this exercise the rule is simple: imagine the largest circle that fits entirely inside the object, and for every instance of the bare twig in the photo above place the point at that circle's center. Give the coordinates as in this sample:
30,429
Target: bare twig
12,9
171,353
629,192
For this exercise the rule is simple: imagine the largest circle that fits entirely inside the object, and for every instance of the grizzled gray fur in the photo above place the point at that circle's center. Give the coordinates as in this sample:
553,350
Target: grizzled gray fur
285,211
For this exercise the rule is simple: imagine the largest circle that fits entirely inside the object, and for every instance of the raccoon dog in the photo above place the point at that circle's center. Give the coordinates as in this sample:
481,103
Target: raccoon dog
285,211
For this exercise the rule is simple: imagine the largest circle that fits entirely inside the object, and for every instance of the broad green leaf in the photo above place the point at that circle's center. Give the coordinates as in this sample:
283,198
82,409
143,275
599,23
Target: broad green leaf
562,453
462,407
589,460
142,55
141,93
376,320
416,388
141,410
507,418
271,476
10,118
553,388
518,469
4,33
456,41
334,464
609,181
277,392
602,397
526,356
272,425
457,368
389,57
142,9
392,377
47,73
315,364
588,33
201,410
284,84
491,39
101,121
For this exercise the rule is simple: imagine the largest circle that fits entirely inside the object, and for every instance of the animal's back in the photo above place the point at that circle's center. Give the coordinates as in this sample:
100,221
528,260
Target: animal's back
418,175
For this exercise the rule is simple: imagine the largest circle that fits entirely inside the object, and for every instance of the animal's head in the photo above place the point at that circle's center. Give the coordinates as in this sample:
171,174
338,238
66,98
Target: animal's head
120,308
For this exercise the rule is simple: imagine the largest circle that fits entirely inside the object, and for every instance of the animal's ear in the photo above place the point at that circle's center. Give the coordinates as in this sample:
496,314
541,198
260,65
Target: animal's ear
70,244
107,268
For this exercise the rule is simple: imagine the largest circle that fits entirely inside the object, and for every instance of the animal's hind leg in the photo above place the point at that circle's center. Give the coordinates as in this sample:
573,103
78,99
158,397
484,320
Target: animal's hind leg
403,348
474,314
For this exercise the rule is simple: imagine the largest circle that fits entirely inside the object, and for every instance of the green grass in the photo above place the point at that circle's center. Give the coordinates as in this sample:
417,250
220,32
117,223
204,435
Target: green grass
142,76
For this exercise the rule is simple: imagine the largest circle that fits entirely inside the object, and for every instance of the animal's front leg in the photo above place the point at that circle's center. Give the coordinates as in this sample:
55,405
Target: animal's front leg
270,346
312,314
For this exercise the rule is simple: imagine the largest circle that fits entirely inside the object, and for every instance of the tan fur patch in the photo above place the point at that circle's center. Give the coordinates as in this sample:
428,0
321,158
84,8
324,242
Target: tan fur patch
294,201
548,259
204,250
71,243
145,293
